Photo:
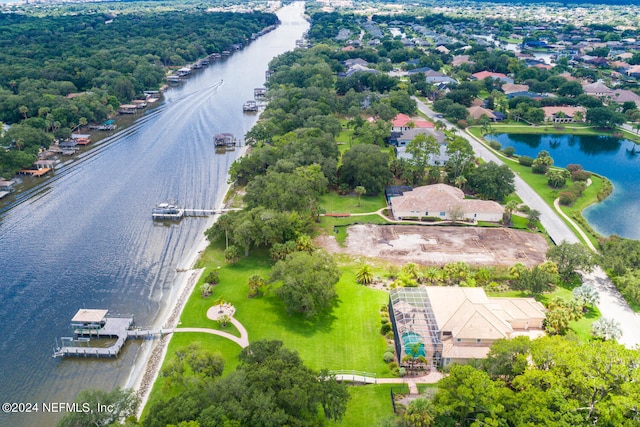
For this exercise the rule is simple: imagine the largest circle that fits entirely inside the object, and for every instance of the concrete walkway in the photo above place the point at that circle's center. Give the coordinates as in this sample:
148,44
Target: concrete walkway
412,382
213,313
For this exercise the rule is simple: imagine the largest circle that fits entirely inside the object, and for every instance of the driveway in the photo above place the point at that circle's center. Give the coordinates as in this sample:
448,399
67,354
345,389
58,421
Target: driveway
611,305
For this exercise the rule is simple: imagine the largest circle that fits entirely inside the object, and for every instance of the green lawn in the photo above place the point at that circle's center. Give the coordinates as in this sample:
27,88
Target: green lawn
572,129
369,405
332,202
346,338
539,184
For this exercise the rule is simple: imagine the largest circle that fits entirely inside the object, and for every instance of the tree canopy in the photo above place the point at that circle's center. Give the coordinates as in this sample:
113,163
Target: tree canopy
270,387
308,282
365,165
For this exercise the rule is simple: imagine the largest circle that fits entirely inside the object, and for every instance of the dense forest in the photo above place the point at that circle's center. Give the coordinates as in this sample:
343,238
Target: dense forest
107,59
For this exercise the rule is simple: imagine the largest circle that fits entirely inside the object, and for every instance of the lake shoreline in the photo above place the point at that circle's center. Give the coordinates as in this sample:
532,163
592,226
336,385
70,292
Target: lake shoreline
607,185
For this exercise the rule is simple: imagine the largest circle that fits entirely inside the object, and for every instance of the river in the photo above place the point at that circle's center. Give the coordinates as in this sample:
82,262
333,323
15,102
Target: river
617,159
84,237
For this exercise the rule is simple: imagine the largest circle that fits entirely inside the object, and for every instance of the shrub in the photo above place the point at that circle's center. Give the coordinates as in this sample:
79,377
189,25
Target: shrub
525,160
385,328
509,151
524,209
384,320
495,145
389,357
580,175
567,198
393,365
431,219
462,124
389,335
573,167
213,277
578,188
539,169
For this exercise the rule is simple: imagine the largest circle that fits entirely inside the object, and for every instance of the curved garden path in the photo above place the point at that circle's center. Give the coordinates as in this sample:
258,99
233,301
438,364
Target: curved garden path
213,313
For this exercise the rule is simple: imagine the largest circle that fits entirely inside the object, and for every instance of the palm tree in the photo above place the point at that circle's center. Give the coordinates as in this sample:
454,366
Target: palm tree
24,111
255,282
411,270
533,218
586,294
607,329
364,275
220,302
460,182
304,243
432,274
509,209
517,269
360,190
223,320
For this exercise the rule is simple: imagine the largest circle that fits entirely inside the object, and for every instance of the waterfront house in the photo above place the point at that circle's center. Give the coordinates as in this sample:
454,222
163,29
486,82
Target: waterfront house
563,114
445,202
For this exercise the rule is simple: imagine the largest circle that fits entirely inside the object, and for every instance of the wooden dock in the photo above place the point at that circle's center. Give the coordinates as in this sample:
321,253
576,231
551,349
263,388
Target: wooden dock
121,328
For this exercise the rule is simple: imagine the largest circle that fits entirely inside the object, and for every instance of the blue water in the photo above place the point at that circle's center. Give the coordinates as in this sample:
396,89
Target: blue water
83,237
616,158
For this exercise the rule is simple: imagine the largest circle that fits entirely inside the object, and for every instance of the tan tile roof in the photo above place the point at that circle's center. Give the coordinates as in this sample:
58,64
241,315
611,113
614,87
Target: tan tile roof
441,198
516,309
511,88
569,111
452,351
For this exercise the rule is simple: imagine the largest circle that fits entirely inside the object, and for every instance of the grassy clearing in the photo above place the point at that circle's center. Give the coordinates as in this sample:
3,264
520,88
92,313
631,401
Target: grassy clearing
332,202
346,338
369,405
336,226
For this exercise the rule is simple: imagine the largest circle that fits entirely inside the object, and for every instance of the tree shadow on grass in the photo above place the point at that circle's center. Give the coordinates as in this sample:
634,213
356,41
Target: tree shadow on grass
300,324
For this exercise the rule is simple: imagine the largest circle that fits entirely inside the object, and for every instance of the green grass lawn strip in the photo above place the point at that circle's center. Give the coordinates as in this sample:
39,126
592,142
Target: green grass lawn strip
369,405
333,202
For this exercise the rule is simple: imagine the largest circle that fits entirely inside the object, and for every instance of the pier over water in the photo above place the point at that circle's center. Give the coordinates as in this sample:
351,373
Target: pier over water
88,323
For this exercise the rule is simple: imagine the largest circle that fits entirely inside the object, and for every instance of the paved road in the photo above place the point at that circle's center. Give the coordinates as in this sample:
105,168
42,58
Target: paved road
556,228
612,304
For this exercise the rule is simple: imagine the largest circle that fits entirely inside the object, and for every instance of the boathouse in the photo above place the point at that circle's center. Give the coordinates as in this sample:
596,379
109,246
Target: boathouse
89,319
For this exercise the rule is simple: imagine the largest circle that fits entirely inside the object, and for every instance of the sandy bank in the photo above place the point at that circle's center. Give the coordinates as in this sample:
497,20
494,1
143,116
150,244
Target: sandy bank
143,379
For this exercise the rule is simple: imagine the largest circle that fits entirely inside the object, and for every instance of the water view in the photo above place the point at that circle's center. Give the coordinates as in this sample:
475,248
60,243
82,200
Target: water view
616,158
84,238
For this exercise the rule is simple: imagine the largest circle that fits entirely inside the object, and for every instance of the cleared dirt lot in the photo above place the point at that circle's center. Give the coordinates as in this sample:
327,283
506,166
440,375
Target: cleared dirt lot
441,245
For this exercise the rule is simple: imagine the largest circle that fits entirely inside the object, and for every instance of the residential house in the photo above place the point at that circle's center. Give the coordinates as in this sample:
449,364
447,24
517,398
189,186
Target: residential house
446,325
445,202
402,122
621,96
563,114
408,135
598,89
437,78
458,60
477,112
496,76
508,88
